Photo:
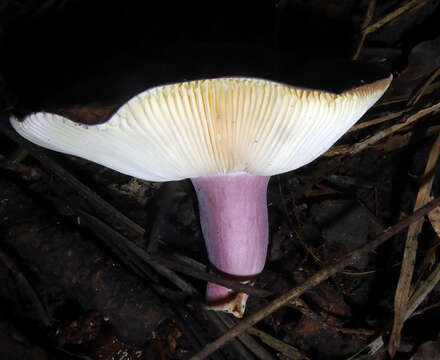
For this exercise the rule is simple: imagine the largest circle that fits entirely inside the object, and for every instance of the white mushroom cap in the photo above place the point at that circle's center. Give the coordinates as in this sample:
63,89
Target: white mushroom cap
209,127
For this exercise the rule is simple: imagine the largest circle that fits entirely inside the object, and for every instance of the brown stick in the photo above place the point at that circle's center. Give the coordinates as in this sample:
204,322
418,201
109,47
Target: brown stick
238,345
367,20
365,143
316,279
420,91
368,28
255,347
280,346
393,15
376,121
409,256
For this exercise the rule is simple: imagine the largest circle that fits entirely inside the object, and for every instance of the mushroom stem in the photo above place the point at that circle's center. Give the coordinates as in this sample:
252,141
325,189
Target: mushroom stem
233,216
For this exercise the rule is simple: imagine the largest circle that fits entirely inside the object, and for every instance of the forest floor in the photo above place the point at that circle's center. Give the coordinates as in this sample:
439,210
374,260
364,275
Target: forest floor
95,264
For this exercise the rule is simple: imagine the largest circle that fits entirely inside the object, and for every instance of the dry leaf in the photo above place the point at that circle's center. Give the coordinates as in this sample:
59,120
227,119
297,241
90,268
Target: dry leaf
172,339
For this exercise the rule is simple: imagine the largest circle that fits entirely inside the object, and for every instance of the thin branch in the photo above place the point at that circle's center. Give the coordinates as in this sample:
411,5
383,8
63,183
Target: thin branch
121,244
399,141
193,331
368,28
367,20
365,143
231,284
376,121
420,91
410,253
278,345
393,15
221,326
259,351
302,307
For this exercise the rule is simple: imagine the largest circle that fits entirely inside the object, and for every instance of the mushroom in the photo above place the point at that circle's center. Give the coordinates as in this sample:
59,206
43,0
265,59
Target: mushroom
228,135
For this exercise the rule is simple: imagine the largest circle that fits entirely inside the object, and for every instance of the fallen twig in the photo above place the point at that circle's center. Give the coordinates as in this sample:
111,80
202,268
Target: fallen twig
191,328
234,285
367,20
259,351
409,257
365,143
302,307
420,91
399,141
314,280
393,15
278,345
121,244
368,28
376,121
221,326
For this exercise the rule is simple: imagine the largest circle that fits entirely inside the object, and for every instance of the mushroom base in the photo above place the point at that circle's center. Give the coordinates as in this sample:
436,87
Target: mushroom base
233,216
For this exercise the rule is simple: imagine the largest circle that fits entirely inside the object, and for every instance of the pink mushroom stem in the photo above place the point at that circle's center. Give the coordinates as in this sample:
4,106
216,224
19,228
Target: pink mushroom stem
233,216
